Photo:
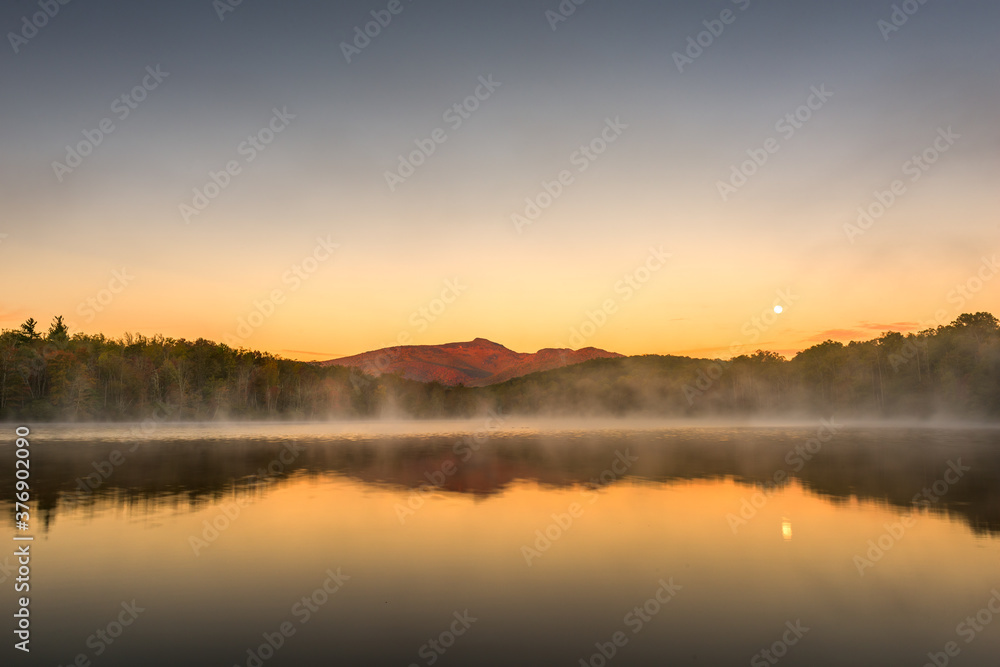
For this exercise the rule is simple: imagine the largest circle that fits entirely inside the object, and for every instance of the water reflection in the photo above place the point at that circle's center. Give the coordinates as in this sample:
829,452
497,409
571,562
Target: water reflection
186,467
691,551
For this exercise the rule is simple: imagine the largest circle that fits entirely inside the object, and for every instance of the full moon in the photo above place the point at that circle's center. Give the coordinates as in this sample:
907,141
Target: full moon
778,309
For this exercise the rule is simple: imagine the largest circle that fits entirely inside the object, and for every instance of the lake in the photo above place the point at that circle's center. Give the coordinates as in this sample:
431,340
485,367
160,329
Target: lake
493,543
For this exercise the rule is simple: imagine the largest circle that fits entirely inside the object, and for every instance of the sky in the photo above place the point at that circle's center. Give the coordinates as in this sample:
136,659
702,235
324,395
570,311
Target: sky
321,179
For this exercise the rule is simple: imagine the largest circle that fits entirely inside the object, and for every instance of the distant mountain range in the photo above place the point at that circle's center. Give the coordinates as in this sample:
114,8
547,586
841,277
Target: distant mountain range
476,363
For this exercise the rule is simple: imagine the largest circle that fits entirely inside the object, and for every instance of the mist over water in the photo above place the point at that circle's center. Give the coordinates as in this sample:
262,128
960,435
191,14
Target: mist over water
546,532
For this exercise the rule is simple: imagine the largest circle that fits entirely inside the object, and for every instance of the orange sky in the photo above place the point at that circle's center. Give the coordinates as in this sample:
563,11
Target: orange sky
619,150
525,294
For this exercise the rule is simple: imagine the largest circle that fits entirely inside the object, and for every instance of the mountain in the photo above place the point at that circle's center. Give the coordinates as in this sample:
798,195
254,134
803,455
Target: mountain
475,364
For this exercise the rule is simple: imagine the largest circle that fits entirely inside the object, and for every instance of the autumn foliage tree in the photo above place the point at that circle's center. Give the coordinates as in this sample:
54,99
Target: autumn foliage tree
952,369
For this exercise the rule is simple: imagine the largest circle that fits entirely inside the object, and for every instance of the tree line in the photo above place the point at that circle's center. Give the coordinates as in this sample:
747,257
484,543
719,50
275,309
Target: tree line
54,375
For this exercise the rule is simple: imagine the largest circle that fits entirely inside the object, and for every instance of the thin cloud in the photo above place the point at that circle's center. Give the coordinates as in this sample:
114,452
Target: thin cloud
895,326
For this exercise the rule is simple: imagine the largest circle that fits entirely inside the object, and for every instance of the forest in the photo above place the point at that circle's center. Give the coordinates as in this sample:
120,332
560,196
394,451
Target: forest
950,371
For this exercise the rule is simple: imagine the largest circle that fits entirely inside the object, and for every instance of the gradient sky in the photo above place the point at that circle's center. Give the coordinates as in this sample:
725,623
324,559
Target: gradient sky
656,186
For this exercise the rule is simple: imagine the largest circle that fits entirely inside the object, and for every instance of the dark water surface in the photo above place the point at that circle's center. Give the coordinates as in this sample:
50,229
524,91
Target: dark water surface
486,544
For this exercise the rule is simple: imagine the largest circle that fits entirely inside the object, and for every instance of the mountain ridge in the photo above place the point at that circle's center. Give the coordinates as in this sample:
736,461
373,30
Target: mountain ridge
476,363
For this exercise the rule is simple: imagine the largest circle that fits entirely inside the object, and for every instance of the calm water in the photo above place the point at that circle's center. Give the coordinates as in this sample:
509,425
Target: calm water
479,544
